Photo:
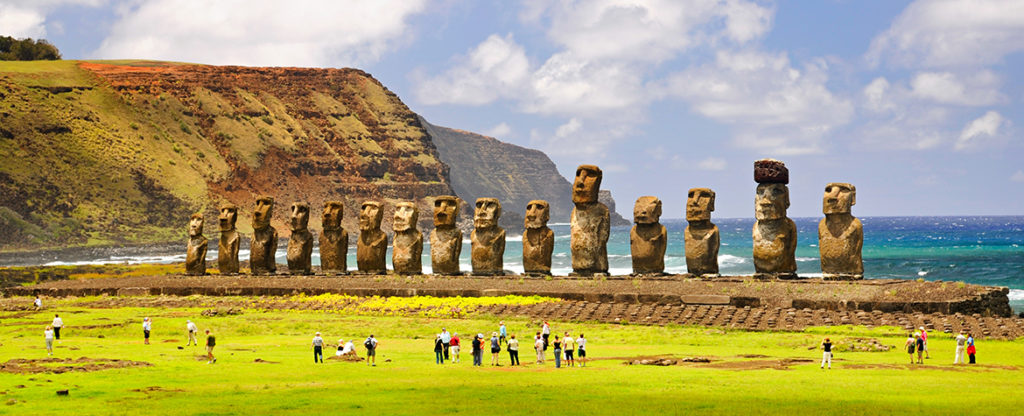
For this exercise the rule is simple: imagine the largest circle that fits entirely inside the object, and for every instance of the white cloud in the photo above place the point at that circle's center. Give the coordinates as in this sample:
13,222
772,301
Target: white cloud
712,163
571,86
261,32
947,33
1018,176
979,129
947,88
496,68
28,18
499,131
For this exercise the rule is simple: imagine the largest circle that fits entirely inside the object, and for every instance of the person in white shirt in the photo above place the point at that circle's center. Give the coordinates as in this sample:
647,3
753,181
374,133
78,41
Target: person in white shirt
146,327
192,331
446,342
48,334
538,344
581,351
38,303
57,324
345,348
545,332
318,348
961,343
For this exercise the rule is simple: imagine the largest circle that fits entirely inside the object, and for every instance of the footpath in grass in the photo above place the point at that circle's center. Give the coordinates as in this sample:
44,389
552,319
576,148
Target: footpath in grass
265,366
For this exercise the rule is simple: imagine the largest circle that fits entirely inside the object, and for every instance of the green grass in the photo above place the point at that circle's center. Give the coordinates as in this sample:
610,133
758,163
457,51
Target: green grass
406,380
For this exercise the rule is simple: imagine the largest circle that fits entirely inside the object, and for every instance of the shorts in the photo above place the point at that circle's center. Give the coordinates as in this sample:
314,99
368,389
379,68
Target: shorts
495,350
455,349
146,332
581,353
209,349
371,352
49,344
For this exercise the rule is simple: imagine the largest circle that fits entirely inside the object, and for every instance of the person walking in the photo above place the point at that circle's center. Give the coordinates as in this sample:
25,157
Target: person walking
48,336
826,356
477,352
318,348
581,350
38,303
147,325
446,341
545,332
192,331
924,339
568,346
211,342
513,350
371,350
495,349
439,350
961,344
970,348
57,324
558,352
502,333
456,349
920,348
911,345
538,344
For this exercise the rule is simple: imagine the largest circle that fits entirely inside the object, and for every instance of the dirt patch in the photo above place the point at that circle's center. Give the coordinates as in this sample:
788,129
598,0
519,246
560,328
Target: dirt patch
930,367
66,365
151,389
781,364
260,360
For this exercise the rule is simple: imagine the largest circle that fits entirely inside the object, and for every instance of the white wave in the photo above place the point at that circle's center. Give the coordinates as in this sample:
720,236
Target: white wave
730,259
806,259
922,273
1016,294
559,223
809,275
514,238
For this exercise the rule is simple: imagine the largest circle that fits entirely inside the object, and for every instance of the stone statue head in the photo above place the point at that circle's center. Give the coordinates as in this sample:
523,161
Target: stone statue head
488,210
406,215
228,216
647,210
839,198
300,216
261,215
771,202
587,184
334,211
446,211
370,216
700,202
195,225
538,212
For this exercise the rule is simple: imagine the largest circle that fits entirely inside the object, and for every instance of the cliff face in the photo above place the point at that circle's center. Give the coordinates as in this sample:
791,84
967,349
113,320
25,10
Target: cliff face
482,166
605,197
119,152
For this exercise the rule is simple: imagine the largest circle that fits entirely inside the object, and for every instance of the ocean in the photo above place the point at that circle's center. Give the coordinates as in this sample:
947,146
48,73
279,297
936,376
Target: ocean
980,250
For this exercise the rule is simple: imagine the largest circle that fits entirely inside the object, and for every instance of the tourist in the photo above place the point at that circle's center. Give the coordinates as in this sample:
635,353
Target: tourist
961,344
970,348
558,352
438,350
48,335
318,348
192,331
581,351
347,348
146,327
211,342
567,345
826,357
538,344
57,324
455,348
446,340
919,341
924,340
340,349
513,350
371,350
911,345
502,333
545,332
495,348
477,353
38,303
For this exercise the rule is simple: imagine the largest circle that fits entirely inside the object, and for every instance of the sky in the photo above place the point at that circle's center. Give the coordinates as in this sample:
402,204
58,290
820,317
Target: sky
914,102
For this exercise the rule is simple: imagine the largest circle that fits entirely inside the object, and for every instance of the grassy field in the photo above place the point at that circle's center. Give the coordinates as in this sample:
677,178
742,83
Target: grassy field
750,373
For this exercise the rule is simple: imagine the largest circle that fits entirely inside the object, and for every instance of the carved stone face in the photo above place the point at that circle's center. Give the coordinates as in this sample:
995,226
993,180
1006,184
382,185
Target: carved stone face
406,215
488,210
587,184
370,216
700,202
771,201
228,216
537,214
334,211
647,210
300,216
261,215
839,198
195,225
446,211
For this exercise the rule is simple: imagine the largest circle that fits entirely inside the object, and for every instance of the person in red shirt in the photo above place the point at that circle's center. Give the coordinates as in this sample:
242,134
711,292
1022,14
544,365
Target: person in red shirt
454,347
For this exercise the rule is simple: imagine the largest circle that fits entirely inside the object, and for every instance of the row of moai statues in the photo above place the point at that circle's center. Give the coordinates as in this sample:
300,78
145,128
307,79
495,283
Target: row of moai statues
774,235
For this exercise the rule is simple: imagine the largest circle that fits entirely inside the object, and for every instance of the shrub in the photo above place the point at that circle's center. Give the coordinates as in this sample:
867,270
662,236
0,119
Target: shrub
12,49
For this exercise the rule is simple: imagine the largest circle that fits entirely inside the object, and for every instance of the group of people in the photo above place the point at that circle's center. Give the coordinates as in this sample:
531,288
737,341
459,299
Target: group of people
917,342
346,349
447,347
52,333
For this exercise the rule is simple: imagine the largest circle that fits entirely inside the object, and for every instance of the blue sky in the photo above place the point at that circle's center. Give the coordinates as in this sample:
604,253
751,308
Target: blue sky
914,102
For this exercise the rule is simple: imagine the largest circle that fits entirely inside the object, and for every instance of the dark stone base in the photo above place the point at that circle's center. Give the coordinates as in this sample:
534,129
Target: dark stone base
586,273
535,273
841,276
489,273
776,276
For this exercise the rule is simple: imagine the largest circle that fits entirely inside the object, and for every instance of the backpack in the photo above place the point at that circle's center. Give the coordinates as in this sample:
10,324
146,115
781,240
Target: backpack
368,344
910,348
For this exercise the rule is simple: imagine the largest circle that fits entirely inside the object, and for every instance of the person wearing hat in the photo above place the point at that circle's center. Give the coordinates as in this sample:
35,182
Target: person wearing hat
192,331
495,348
318,348
438,350
924,338
147,326
826,357
371,350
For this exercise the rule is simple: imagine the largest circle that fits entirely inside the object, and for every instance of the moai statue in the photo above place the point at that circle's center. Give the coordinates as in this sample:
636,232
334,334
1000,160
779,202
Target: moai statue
408,244
774,234
840,234
446,239
488,239
195,257
538,239
701,235
227,248
300,245
648,238
263,249
590,225
333,240
372,246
